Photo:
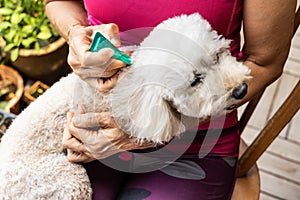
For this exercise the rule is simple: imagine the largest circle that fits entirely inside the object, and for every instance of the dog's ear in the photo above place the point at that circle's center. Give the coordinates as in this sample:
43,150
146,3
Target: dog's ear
144,114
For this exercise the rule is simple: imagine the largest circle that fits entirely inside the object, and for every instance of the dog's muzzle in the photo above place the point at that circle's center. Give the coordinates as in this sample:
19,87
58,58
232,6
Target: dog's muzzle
240,91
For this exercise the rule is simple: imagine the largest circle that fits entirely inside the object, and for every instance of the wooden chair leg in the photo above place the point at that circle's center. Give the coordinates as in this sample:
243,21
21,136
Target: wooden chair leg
274,126
249,110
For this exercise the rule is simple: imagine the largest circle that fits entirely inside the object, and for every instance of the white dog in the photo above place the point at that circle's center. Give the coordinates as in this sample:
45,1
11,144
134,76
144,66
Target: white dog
182,68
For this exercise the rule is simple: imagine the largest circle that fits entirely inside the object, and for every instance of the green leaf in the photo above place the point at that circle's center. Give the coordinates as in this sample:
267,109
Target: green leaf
20,8
3,104
9,47
44,35
17,39
4,25
5,11
10,35
15,18
45,28
27,42
27,29
21,16
54,32
14,54
27,19
32,21
37,46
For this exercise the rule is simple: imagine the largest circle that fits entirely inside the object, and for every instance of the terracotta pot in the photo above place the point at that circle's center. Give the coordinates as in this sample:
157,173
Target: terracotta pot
37,89
44,64
12,75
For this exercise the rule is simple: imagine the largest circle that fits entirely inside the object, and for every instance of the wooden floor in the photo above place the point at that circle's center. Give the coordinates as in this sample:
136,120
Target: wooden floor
280,165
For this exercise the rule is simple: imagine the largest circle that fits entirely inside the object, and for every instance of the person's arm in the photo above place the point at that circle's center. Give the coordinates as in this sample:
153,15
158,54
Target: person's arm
66,14
268,29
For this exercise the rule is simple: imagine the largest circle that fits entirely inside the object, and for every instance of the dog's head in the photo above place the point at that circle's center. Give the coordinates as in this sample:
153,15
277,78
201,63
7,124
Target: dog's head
182,67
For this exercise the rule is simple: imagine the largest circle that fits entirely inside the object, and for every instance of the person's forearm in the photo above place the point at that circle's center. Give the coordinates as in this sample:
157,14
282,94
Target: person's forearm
64,14
268,29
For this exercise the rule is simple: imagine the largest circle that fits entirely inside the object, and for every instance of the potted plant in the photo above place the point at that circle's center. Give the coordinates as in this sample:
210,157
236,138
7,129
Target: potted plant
34,91
31,43
11,89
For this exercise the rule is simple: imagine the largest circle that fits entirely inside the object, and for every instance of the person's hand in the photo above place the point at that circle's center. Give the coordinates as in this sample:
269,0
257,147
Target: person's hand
85,144
109,77
93,67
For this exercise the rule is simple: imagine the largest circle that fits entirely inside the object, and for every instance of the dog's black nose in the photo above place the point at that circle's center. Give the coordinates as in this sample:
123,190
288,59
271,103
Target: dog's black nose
240,91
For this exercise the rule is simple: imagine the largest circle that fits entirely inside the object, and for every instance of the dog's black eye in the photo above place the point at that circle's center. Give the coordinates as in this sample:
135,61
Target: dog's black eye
198,79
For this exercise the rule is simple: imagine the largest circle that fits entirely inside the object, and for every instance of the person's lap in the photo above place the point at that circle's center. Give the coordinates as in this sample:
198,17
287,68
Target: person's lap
211,177
106,182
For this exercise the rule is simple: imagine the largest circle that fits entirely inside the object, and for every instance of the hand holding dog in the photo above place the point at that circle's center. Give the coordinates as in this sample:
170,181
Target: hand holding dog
85,144
90,66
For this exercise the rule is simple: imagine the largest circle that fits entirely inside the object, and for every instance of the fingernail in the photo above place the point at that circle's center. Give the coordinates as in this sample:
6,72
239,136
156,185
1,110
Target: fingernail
115,41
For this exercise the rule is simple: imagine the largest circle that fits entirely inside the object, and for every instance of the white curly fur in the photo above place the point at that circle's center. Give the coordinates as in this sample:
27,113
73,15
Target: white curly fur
145,103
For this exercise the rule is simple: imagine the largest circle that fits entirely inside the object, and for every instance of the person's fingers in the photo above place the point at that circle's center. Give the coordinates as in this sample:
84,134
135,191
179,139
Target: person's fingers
80,41
90,120
120,140
107,70
74,156
86,73
124,141
87,120
110,31
66,134
80,47
105,85
86,135
109,73
113,135
106,120
73,61
100,58
75,132
75,145
102,84
116,64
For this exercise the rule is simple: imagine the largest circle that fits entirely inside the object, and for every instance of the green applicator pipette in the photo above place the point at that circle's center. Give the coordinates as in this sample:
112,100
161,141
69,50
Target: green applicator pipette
100,42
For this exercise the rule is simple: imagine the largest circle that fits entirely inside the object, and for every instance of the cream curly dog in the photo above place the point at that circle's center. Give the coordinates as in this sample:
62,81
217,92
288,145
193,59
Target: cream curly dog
182,68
